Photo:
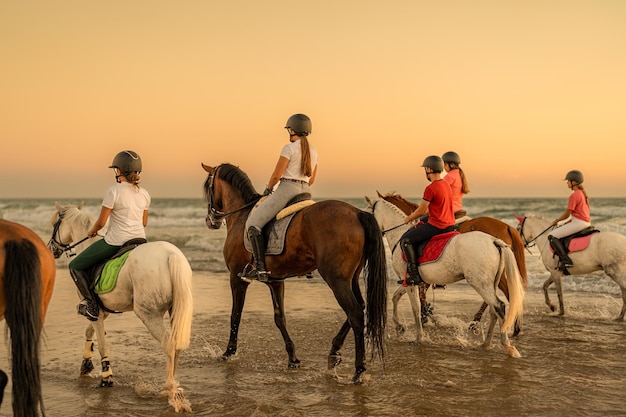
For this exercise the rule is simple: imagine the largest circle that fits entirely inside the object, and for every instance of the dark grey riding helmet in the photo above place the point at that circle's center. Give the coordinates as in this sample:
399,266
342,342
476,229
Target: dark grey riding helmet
451,157
575,176
127,161
433,162
299,123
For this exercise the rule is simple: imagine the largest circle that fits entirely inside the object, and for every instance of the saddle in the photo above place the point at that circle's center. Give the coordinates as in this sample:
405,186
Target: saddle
570,242
104,274
432,249
275,231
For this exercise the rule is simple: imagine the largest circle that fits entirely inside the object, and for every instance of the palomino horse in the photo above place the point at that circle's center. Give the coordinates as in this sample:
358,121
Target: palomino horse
606,252
155,279
489,225
27,273
334,237
477,257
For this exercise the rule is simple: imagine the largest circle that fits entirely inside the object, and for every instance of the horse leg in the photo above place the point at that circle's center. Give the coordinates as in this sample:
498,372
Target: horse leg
277,289
334,356
238,292
417,312
87,366
153,320
546,296
400,327
493,318
107,373
477,317
353,307
557,278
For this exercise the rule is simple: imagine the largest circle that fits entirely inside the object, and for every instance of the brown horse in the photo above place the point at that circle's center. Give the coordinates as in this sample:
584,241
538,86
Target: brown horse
334,237
27,273
488,225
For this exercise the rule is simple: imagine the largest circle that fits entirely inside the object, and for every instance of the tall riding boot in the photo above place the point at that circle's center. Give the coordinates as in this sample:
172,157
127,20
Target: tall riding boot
258,251
413,275
88,307
557,245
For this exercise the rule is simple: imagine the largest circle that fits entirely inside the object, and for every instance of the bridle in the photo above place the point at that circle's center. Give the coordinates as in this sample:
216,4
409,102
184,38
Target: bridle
531,242
215,217
57,247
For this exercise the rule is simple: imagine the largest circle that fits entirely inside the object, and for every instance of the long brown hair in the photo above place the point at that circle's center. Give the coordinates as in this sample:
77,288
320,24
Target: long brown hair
305,163
464,185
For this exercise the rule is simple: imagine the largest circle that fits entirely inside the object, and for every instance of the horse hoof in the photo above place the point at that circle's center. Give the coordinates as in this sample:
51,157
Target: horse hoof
400,329
106,382
552,308
86,367
334,361
294,364
359,376
513,352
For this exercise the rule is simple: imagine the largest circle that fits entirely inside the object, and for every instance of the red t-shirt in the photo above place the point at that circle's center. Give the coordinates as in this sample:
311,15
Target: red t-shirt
440,212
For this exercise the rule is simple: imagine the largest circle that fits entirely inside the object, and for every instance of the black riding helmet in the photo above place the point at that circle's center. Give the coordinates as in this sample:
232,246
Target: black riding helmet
127,162
300,124
433,162
451,157
574,176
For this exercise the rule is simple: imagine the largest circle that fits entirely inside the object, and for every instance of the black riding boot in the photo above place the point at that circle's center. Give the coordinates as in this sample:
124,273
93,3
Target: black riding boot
557,245
88,307
258,251
413,275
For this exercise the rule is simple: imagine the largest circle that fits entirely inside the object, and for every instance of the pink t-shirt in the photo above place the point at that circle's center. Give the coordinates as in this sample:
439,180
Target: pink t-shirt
453,177
578,205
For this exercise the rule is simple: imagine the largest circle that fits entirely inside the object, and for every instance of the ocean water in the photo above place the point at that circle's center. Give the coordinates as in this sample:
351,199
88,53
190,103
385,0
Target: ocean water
181,222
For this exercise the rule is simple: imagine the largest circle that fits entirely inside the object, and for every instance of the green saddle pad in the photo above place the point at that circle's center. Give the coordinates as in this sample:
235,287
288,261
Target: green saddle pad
108,277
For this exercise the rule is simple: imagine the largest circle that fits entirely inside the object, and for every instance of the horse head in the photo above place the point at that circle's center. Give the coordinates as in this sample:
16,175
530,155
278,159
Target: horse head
62,234
214,216
227,188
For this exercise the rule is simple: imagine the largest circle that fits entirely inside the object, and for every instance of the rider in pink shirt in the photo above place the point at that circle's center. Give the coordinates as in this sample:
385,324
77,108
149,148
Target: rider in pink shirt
456,178
578,213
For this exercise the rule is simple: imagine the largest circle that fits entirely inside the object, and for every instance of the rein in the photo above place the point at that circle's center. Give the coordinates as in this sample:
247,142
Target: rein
64,248
528,243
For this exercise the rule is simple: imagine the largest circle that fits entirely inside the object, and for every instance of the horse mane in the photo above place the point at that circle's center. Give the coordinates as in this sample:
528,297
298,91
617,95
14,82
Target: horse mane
398,201
71,212
239,180
394,207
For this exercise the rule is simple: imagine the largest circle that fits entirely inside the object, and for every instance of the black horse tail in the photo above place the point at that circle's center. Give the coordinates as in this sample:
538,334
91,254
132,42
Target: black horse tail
376,278
22,295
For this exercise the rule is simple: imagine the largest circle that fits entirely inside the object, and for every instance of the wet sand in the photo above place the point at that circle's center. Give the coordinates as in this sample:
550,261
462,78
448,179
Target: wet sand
572,365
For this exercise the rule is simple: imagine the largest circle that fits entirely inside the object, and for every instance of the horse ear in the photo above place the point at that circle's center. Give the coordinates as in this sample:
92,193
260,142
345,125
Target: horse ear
379,194
369,202
520,219
207,168
80,206
57,206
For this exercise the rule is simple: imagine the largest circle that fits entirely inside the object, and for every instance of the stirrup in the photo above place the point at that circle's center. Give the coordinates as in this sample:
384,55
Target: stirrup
88,309
250,273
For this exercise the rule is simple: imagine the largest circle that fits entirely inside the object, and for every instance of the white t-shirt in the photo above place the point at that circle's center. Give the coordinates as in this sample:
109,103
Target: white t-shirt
127,204
293,152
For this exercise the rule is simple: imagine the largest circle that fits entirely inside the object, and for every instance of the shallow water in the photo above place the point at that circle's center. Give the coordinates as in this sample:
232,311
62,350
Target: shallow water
572,365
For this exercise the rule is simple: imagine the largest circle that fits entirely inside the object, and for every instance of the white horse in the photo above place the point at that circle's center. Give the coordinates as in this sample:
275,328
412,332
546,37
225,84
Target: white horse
606,252
477,257
156,278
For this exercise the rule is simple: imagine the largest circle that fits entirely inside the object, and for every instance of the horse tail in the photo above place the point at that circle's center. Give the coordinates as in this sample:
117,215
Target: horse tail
516,288
517,246
22,294
181,313
376,278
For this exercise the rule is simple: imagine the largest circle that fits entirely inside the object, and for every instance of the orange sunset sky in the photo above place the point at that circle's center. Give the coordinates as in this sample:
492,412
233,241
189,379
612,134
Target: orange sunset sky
523,90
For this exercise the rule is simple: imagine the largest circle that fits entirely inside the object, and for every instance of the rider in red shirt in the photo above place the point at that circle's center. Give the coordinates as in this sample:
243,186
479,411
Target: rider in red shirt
437,203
